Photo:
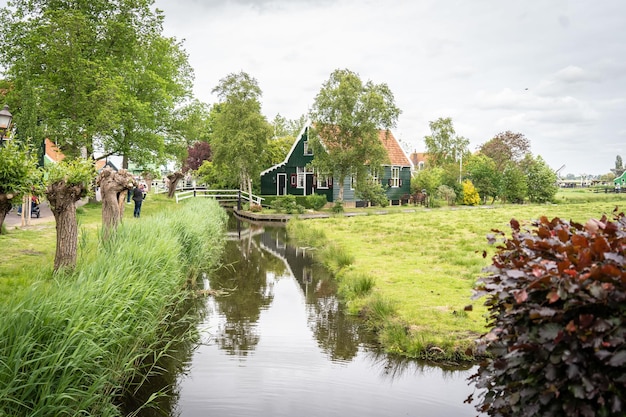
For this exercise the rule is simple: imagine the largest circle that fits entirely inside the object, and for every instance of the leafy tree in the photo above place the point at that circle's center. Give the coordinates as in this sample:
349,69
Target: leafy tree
540,179
481,170
446,193
618,162
506,147
19,175
347,117
470,195
83,70
240,130
192,122
556,306
196,155
443,145
68,181
513,186
276,150
373,192
428,179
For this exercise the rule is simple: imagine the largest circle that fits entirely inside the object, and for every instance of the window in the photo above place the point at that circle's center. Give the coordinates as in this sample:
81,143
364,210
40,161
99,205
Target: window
395,176
353,182
307,148
301,181
323,181
374,177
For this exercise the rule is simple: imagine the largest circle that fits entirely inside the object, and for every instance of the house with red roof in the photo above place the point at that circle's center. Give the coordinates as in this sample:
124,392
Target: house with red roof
295,176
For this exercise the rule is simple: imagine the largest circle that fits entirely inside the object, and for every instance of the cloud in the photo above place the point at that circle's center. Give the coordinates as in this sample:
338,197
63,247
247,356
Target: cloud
575,74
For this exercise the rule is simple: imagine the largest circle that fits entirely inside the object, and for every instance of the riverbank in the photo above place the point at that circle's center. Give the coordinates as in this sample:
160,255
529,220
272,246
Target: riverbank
73,344
423,267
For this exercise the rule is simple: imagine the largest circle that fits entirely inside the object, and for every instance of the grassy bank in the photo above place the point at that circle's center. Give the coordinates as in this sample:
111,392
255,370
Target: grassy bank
412,274
71,345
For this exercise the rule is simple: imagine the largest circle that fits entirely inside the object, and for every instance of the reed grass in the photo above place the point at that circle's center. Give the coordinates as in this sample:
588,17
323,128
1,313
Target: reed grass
74,344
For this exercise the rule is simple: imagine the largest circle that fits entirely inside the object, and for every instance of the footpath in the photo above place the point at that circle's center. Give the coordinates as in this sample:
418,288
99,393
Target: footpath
13,220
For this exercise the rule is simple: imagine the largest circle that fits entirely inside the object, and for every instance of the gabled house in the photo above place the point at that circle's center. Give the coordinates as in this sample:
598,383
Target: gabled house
293,176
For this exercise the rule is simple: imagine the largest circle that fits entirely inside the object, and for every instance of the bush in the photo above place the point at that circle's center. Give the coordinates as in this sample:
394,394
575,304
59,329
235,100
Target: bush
557,302
338,207
316,201
256,208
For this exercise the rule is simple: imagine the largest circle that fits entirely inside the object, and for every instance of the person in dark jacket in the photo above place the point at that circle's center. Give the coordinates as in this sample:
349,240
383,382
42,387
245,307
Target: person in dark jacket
138,197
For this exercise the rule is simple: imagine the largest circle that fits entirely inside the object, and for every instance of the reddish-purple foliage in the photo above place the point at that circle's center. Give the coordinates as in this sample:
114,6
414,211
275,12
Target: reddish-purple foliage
557,308
196,155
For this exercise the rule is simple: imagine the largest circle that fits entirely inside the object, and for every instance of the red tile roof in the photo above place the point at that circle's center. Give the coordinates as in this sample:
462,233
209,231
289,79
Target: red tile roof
397,156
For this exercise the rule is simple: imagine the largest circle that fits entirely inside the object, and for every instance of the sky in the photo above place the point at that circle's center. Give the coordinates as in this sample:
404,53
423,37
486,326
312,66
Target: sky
553,70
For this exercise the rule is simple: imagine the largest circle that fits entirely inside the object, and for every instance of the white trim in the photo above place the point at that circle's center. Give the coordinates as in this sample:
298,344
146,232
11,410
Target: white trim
307,124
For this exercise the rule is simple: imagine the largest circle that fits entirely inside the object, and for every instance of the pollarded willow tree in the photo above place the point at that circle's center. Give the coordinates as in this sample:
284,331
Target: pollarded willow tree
68,181
347,116
240,131
113,187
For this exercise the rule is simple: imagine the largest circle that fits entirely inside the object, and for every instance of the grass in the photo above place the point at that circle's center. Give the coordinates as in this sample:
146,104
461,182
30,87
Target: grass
425,264
73,344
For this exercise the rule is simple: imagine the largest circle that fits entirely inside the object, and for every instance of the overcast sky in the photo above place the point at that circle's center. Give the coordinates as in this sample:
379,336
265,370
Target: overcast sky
554,70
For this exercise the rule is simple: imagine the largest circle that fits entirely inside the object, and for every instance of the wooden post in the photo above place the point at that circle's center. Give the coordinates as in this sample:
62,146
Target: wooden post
239,200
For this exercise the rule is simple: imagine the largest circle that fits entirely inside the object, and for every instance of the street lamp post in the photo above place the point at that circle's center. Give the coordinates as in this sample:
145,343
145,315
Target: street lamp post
5,122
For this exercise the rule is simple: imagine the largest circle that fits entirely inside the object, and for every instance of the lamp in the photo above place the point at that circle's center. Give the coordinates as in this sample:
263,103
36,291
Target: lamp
5,122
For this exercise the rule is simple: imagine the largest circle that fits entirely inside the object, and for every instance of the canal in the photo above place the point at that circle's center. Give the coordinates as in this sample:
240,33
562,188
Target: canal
275,342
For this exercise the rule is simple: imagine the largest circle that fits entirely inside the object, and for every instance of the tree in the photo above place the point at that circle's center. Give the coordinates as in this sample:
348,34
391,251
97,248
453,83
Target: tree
506,147
196,155
482,171
68,181
92,74
347,117
443,145
618,162
428,179
113,188
19,175
541,180
470,195
191,123
513,186
240,130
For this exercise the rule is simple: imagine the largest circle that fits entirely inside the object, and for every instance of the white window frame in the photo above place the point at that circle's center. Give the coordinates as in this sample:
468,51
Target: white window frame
307,149
395,177
301,180
322,181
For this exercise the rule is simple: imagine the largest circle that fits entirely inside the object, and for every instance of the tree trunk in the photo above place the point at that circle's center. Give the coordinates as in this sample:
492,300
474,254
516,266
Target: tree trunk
174,178
62,198
114,187
5,207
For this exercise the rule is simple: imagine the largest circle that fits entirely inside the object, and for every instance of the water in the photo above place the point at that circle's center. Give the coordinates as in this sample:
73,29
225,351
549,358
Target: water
276,343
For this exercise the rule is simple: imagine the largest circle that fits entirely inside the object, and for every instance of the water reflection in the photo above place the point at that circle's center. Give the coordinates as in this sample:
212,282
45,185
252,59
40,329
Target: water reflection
277,343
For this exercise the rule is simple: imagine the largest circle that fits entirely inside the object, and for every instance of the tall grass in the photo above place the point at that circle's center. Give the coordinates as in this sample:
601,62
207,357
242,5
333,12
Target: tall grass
72,344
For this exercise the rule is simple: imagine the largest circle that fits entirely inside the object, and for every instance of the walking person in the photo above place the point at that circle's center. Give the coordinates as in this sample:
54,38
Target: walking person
138,197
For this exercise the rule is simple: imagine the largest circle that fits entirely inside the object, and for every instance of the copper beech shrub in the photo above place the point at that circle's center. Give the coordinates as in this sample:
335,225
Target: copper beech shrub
557,321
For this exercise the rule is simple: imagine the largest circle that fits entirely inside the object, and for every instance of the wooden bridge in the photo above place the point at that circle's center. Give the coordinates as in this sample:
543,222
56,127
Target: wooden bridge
223,196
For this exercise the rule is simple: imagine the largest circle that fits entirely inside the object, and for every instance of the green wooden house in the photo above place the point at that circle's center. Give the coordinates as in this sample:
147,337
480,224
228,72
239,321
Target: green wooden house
293,176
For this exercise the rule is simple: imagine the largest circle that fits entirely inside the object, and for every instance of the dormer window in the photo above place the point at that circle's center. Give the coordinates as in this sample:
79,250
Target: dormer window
307,149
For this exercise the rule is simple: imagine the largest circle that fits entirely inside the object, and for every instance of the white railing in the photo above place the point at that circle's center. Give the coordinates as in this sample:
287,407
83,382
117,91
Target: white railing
221,195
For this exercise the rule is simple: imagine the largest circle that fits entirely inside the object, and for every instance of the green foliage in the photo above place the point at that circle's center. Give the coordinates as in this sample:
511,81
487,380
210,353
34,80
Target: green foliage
347,115
356,285
513,186
556,297
338,207
372,192
470,195
427,179
446,193
481,169
70,346
288,204
443,145
240,131
91,70
18,171
316,201
541,180
72,172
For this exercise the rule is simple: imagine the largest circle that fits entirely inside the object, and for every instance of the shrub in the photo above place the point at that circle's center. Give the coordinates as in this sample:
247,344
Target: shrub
316,201
557,302
286,203
255,208
338,207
